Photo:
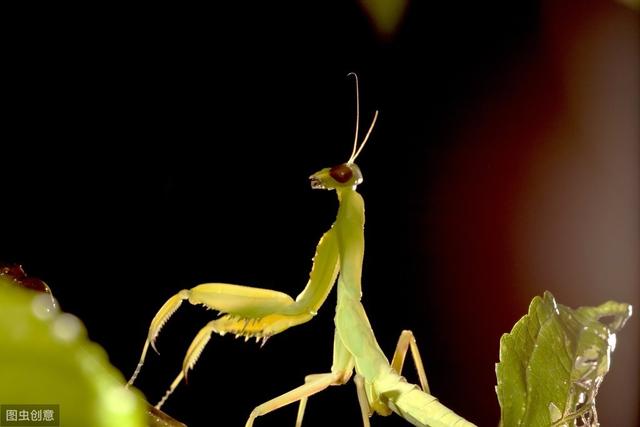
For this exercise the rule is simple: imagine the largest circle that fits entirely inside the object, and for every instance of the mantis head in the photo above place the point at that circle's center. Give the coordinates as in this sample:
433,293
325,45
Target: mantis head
346,174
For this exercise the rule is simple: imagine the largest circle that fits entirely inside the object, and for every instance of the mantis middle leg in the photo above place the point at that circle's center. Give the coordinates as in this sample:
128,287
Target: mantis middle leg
341,372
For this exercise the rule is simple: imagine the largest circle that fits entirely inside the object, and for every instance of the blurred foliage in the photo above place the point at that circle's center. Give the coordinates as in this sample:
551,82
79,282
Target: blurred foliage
633,4
46,358
385,15
554,360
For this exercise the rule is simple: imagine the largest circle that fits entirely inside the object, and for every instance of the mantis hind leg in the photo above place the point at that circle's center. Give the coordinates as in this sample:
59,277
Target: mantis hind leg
406,341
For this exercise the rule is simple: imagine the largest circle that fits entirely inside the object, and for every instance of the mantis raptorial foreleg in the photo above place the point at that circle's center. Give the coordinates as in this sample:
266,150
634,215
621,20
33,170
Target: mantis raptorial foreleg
245,302
260,329
248,312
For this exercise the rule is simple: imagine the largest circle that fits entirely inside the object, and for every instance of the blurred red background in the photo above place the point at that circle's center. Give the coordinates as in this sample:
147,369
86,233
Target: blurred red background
559,209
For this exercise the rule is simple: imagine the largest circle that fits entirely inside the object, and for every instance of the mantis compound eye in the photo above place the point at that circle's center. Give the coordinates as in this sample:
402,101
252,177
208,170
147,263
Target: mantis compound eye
341,173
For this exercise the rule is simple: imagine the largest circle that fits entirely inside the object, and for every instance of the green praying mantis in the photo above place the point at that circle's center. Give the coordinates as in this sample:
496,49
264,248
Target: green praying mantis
261,313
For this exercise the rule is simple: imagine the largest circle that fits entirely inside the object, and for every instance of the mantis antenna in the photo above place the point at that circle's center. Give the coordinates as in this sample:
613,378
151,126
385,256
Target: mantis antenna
366,138
355,139
354,153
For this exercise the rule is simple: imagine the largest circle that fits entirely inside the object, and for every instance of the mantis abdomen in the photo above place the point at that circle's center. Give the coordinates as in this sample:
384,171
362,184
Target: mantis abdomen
414,405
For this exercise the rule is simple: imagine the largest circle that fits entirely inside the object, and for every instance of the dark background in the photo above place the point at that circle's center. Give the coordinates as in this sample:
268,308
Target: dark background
146,151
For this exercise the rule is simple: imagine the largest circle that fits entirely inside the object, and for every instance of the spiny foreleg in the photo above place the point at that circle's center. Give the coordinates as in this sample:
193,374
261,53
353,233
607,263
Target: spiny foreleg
246,307
269,312
260,329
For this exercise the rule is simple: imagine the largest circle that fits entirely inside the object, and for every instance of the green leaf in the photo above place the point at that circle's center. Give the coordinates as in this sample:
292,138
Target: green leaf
46,358
554,360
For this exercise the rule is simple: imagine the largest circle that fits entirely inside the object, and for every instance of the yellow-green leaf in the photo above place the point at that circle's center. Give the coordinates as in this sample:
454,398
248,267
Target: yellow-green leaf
554,360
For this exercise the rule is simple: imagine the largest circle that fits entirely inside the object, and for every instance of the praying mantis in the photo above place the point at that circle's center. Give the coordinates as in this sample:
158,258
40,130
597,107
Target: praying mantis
261,313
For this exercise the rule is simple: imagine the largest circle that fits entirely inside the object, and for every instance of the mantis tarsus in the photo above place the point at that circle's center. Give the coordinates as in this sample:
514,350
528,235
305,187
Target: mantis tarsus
261,313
